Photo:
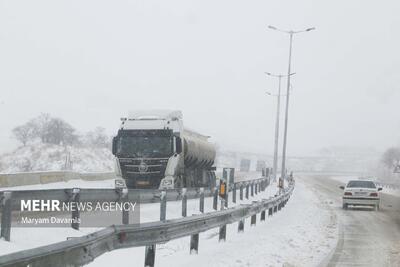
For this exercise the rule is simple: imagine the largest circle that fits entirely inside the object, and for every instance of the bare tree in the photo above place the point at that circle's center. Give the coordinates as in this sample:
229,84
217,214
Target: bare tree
23,133
40,127
60,132
46,129
391,157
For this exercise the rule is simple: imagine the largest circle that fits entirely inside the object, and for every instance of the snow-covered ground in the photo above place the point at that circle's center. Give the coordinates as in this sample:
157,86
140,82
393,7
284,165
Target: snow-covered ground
23,238
395,192
47,157
344,178
304,233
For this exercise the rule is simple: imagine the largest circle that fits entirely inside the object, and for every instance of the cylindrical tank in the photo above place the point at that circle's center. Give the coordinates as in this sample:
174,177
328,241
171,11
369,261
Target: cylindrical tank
198,152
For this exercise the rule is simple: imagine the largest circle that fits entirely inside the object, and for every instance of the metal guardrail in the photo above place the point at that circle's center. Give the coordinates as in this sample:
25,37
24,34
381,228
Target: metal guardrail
82,250
10,200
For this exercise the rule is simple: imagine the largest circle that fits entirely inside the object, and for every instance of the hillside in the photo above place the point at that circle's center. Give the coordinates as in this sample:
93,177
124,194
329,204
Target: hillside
47,157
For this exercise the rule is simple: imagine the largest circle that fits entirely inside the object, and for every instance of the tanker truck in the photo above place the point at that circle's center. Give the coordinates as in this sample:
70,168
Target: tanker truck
154,150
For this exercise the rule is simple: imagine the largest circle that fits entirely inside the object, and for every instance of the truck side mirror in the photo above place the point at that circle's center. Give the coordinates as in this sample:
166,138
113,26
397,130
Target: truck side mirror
114,145
178,145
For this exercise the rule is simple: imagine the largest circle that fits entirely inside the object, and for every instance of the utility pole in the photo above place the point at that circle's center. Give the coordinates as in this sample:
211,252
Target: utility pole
291,33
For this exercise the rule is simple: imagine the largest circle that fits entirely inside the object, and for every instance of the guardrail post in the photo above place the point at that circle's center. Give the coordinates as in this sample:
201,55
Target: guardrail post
184,202
262,215
201,200
241,191
215,200
123,197
241,226
256,188
150,256
6,212
270,211
252,189
226,200
247,191
163,206
253,219
75,212
194,244
222,233
234,194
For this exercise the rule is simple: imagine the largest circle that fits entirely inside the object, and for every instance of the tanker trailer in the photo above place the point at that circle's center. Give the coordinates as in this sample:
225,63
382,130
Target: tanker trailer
153,150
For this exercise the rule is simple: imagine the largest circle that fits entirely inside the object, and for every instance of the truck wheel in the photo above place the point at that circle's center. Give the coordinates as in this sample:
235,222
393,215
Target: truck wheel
376,207
345,206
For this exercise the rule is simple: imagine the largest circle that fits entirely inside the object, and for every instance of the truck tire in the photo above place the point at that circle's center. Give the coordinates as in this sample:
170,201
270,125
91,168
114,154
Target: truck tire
344,206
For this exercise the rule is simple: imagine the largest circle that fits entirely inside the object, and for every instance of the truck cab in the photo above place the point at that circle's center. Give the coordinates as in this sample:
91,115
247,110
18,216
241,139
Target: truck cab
152,150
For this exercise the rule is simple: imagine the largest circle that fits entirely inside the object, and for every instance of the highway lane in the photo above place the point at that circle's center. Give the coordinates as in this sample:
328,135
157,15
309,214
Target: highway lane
366,237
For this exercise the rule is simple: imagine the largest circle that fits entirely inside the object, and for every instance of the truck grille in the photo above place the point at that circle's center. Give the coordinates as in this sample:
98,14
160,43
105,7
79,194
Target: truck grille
143,172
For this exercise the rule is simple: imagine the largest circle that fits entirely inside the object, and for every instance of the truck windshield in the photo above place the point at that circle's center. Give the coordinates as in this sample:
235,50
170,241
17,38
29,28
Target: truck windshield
144,146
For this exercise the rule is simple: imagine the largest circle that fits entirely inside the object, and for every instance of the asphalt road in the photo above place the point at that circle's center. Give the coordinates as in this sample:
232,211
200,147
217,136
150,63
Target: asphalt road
366,237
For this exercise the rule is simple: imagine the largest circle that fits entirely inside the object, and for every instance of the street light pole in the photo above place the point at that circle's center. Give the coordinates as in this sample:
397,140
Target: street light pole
277,129
291,33
278,108
283,170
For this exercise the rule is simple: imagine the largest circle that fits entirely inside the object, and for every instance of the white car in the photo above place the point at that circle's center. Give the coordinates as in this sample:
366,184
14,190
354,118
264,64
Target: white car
361,193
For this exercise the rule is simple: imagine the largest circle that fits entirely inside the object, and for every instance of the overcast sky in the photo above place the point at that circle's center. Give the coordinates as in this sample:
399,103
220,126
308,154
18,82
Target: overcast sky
90,62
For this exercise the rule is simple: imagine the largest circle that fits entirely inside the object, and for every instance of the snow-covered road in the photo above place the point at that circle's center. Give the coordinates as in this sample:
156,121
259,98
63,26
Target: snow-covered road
367,238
